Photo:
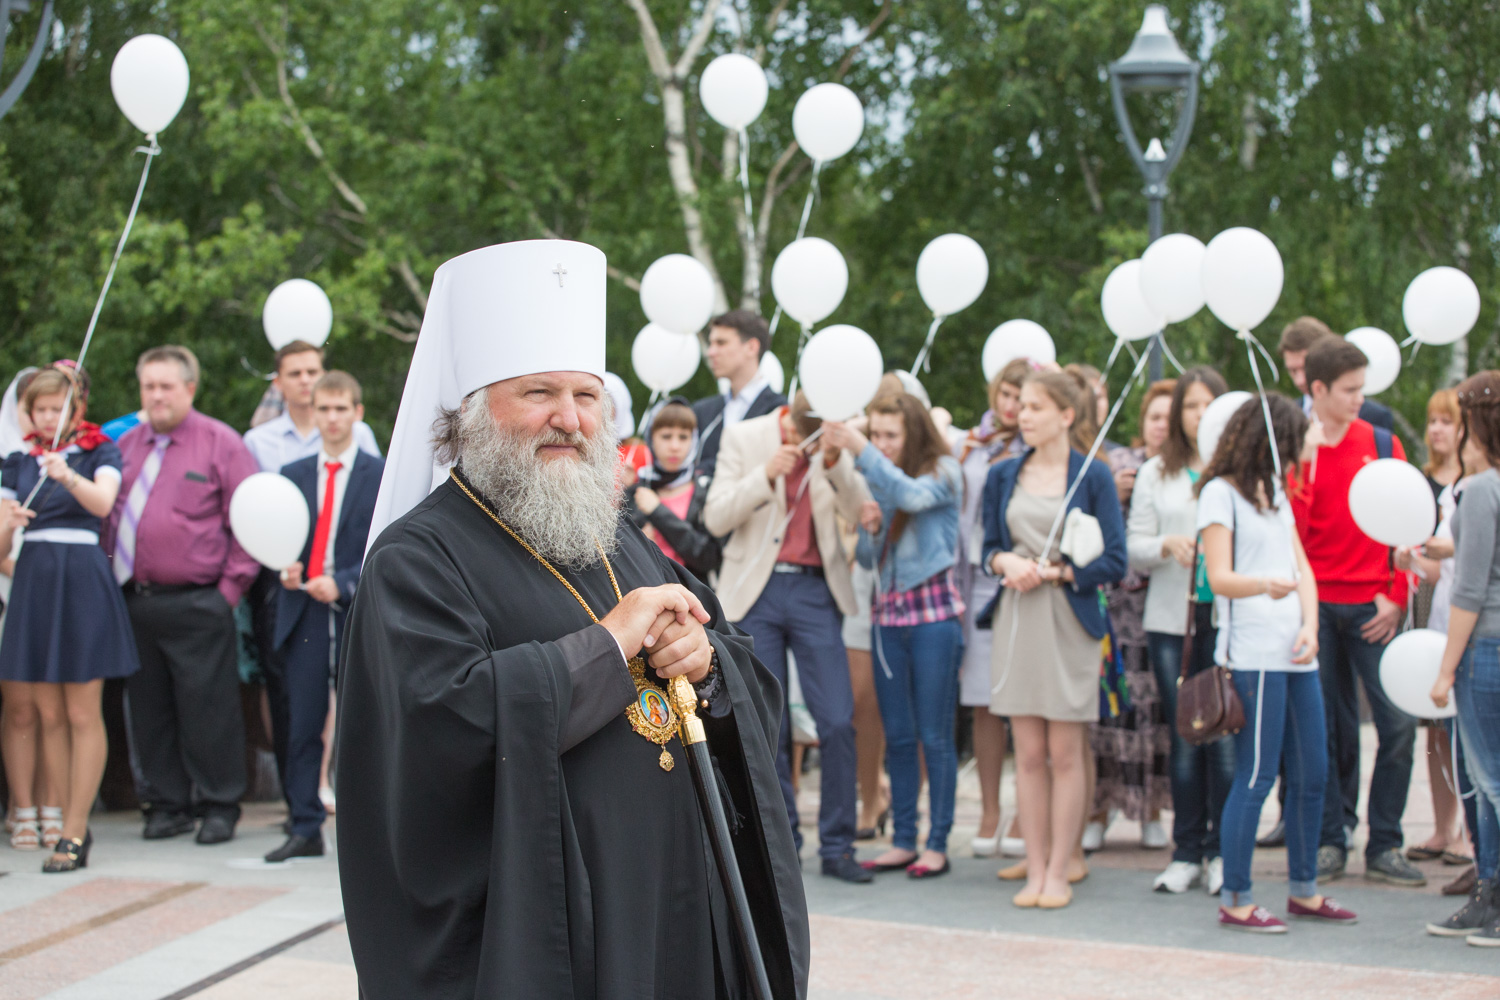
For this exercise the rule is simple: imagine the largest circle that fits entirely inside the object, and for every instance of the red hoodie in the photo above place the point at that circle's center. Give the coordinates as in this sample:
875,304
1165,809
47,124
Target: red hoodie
1350,567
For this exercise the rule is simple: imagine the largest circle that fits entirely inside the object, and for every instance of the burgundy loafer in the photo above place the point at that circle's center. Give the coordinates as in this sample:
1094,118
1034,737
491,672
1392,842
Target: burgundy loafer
1329,911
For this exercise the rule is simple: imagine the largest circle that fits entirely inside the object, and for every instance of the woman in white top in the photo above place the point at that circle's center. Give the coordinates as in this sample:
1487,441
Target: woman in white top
1268,637
1161,535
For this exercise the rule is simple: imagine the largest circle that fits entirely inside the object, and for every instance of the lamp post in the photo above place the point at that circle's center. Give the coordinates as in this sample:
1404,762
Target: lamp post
12,91
1155,63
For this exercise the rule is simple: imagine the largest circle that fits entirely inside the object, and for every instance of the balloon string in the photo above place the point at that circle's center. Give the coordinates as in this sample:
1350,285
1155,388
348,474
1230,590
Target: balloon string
775,322
647,413
1114,352
797,364
1265,403
812,195
922,363
1114,412
1167,352
745,186
151,150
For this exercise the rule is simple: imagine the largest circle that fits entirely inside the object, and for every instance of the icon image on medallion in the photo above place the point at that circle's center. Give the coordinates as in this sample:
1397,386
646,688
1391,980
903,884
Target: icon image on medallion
654,708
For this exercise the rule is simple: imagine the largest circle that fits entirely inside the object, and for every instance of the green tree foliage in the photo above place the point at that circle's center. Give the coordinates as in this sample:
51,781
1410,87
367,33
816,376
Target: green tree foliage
362,142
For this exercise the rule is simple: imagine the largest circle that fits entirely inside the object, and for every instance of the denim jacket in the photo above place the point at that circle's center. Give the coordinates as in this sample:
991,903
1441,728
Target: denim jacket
1095,495
929,542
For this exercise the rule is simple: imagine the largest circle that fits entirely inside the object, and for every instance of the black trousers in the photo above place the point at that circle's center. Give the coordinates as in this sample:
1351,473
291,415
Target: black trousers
185,720
308,659
262,598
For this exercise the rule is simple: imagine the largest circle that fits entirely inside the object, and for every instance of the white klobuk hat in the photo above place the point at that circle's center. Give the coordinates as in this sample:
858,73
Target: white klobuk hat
494,314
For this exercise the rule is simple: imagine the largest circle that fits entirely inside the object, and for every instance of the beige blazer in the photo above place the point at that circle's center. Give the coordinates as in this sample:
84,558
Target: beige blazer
751,510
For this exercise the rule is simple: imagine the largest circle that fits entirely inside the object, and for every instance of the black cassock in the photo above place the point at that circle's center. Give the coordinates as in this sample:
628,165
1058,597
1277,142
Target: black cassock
503,831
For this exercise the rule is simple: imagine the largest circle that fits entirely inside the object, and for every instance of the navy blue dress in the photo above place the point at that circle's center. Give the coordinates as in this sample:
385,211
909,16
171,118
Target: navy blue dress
66,622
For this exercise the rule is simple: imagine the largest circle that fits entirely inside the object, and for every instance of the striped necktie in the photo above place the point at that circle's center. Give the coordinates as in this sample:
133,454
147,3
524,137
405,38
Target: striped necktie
135,503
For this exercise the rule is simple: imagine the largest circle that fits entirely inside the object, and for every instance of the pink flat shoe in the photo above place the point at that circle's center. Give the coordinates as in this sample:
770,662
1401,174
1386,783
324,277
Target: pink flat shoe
1260,921
1330,911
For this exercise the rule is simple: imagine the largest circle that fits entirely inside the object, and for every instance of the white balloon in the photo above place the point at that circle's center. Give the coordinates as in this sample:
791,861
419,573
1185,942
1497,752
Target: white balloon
1440,306
1125,310
733,90
297,310
149,79
1408,669
1385,357
1215,418
663,360
1172,276
677,293
619,393
951,272
269,517
1242,277
827,121
840,371
772,372
1392,503
809,279
1015,338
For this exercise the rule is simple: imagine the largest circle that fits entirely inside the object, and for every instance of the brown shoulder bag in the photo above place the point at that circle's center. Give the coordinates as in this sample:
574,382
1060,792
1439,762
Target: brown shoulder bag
1208,707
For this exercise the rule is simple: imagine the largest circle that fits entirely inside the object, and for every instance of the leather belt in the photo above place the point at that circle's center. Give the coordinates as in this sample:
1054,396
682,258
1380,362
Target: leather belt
785,567
161,589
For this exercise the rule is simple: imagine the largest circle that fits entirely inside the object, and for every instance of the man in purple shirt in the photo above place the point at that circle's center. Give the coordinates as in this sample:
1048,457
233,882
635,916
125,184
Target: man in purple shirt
183,573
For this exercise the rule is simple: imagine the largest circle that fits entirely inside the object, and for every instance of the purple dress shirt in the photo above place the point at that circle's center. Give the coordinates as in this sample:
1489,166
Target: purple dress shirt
184,536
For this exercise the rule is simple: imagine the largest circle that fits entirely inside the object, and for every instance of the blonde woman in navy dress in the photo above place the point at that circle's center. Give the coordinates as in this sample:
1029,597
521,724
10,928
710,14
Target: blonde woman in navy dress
66,628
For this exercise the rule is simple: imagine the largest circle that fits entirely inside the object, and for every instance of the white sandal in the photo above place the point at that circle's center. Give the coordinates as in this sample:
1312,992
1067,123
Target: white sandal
25,832
52,825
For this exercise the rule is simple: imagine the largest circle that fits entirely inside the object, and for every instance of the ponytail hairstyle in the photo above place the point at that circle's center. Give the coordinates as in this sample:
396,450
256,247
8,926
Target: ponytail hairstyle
1243,456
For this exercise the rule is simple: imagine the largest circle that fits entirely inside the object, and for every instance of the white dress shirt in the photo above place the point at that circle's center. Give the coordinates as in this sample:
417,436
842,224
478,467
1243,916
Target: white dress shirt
277,442
340,484
736,405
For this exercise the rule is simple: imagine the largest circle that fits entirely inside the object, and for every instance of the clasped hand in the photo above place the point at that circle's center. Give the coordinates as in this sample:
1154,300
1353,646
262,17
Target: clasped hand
667,623
319,588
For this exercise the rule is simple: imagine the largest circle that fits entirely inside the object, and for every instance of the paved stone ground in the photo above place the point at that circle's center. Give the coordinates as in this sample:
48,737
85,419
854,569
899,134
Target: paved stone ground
162,921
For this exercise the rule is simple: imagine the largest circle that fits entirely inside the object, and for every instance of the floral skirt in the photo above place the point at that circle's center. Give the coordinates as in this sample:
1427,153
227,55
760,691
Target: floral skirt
1131,750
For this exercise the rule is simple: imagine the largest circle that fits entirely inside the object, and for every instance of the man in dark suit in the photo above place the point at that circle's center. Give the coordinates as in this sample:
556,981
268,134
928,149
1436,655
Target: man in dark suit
736,342
1299,335
340,483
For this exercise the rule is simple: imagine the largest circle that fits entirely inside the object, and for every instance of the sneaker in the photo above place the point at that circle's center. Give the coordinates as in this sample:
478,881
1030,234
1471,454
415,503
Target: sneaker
1329,911
1275,838
1179,877
1331,862
1391,867
1213,875
1093,837
1153,836
1260,921
1475,915
1487,938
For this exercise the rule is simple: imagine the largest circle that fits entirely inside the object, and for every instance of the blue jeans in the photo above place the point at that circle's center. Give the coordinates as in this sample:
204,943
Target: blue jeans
917,703
1284,723
1343,655
1476,691
797,612
1200,776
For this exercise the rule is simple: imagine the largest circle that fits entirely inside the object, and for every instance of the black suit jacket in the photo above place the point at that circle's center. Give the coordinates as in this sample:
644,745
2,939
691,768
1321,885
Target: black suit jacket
348,545
710,414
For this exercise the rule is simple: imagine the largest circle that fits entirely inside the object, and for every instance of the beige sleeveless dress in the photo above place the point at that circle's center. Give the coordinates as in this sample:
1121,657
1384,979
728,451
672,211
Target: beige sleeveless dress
1043,662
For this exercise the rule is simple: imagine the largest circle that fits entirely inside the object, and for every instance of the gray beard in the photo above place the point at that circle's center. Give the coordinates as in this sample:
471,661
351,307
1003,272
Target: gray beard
567,509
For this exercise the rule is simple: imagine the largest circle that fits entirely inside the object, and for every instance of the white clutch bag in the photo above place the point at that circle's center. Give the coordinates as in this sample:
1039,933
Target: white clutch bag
1082,538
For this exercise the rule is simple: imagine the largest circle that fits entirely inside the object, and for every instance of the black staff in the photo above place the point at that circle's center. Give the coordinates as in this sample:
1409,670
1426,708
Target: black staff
695,742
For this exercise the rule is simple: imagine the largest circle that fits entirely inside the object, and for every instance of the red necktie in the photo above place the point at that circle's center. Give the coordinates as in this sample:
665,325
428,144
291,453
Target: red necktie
325,521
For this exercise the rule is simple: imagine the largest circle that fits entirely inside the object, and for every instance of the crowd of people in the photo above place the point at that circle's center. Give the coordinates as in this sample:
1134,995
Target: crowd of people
898,576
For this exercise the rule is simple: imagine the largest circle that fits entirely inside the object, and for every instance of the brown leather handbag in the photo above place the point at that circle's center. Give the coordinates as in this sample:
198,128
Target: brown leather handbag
1208,707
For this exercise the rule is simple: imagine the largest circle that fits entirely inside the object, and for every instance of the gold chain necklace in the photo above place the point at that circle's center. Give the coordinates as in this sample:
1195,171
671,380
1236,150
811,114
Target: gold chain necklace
651,714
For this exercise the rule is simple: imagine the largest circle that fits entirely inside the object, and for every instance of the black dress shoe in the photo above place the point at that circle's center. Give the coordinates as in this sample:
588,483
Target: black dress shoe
297,847
846,868
163,825
1276,837
216,829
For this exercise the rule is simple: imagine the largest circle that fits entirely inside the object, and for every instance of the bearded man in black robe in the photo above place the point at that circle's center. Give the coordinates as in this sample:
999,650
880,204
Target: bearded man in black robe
516,813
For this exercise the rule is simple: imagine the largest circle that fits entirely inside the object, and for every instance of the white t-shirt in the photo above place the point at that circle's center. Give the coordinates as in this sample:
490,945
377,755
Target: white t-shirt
1257,633
1442,590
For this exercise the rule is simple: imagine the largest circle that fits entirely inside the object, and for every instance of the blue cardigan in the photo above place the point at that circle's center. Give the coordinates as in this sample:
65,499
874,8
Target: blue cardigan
1095,495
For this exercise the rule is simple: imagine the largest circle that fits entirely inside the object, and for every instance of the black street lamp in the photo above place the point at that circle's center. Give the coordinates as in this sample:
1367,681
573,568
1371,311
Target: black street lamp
12,92
1155,63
